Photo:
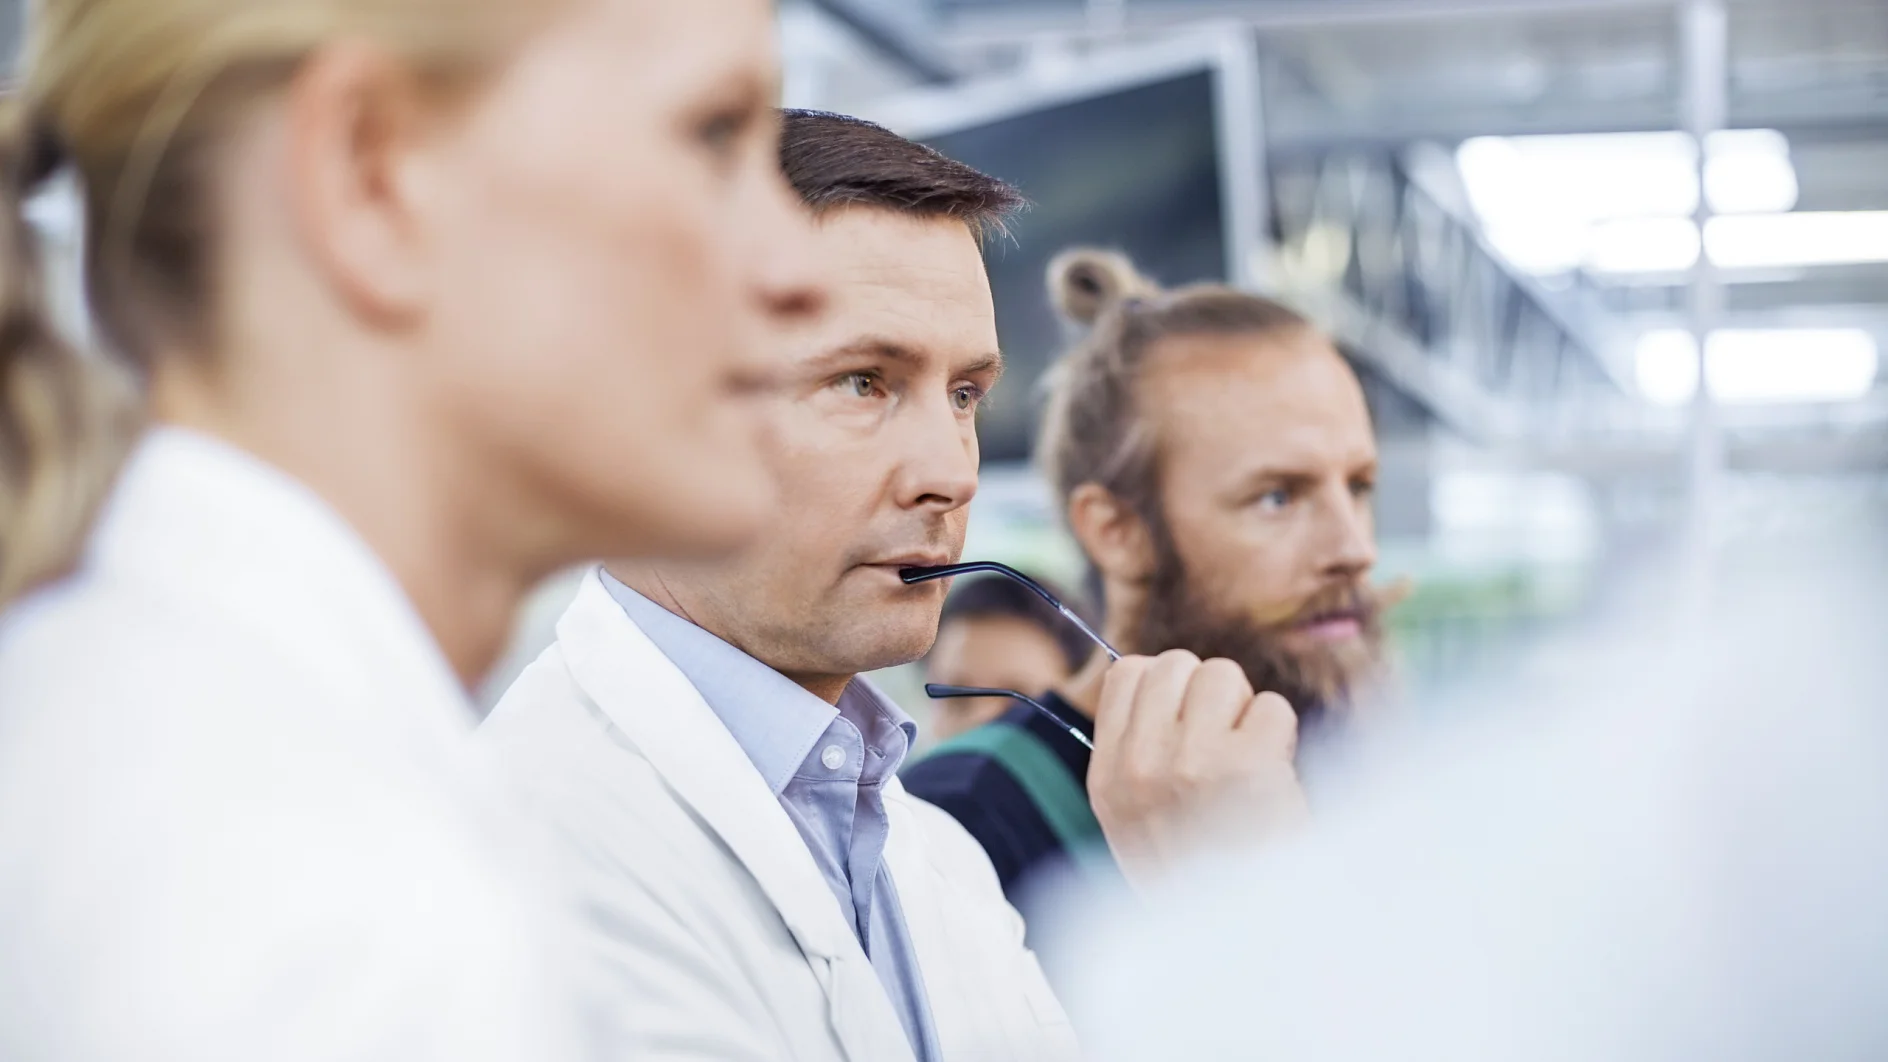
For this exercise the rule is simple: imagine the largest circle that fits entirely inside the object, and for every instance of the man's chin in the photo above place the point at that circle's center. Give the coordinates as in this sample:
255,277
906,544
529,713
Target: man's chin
887,624
1334,672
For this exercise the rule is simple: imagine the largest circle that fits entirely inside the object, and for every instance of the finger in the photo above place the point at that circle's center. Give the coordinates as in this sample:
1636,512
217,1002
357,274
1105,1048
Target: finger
1118,688
1152,735
1271,725
1216,699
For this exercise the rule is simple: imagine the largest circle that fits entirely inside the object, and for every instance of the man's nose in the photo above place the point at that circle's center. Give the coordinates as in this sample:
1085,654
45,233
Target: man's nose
1349,541
939,458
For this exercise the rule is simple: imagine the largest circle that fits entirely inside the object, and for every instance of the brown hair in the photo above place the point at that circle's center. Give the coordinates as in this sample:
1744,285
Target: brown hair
1093,429
834,161
136,96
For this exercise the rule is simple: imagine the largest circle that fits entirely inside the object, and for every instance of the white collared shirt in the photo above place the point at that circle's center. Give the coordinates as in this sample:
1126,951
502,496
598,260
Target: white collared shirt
238,817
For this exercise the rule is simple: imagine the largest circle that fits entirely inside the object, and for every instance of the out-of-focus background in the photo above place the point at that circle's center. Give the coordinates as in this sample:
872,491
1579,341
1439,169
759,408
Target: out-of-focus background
1500,209
1523,220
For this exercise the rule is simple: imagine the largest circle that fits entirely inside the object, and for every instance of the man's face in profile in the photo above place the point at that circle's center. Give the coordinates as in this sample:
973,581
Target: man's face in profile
1266,537
874,445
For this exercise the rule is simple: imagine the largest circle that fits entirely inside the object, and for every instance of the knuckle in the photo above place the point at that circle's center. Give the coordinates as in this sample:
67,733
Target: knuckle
1224,670
1271,708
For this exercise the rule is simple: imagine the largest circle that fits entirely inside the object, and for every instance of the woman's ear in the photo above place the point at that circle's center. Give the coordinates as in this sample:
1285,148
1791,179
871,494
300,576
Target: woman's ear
1112,534
356,116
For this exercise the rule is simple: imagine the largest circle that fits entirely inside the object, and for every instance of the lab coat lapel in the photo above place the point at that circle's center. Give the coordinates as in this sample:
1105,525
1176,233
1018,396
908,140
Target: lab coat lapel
950,983
662,714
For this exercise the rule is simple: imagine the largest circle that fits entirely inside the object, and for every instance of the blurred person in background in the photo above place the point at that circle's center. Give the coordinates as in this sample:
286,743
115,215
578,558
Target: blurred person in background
762,887
995,634
1213,455
427,300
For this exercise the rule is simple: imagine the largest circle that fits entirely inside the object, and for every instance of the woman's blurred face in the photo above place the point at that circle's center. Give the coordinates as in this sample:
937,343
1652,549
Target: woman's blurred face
621,254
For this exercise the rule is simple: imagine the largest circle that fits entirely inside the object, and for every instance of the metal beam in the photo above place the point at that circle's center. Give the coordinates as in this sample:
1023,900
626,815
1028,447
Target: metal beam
881,33
1706,63
1011,20
1807,117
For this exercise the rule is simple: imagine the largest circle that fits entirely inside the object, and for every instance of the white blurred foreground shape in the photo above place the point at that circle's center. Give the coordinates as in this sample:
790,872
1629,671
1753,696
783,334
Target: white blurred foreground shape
1686,858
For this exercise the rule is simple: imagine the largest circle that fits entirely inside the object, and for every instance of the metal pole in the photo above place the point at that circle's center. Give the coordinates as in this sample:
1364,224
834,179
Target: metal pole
1706,88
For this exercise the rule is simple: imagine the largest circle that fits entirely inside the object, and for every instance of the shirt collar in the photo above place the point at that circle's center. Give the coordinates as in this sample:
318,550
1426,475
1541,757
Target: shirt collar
774,720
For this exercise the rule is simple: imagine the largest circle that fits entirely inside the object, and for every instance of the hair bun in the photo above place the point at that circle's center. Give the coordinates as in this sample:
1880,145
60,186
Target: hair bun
1084,282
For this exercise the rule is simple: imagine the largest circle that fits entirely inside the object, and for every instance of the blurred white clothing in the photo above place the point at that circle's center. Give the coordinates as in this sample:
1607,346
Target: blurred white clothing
239,817
1686,860
717,936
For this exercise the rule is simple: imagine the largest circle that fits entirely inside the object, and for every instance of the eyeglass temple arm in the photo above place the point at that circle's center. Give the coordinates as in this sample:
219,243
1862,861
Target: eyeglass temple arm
941,692
913,576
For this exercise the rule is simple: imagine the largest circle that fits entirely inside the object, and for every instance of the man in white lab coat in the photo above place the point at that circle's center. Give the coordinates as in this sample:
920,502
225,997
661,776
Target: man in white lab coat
759,884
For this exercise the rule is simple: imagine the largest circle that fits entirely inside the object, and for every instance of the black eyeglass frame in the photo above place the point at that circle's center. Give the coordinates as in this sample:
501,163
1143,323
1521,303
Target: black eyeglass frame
939,691
914,576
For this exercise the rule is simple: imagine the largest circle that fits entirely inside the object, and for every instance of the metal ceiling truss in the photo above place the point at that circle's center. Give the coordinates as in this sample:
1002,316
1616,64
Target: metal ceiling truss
1404,282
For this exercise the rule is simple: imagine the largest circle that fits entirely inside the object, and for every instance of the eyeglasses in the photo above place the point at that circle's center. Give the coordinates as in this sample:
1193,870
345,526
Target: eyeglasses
939,692
913,576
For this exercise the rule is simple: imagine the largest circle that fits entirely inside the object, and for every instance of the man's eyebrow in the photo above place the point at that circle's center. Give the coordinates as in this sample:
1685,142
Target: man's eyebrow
992,363
1286,473
892,350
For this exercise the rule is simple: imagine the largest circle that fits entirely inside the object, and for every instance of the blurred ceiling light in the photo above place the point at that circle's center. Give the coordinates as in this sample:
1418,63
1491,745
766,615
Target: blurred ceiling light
1587,177
1542,246
1643,245
1666,365
1760,241
1748,171
1540,198
1752,366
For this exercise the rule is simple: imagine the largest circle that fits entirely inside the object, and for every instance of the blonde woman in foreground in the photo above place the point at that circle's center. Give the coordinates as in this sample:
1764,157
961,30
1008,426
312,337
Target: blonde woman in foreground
429,298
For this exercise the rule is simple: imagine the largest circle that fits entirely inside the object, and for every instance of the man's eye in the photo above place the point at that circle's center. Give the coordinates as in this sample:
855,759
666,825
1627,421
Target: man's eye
1273,500
966,398
859,384
1363,488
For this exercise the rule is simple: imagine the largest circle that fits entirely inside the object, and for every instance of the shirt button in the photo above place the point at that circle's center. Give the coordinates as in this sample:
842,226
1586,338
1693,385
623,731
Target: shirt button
834,757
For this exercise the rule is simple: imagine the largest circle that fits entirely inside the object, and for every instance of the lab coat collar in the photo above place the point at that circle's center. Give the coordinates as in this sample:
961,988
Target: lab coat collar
649,699
208,522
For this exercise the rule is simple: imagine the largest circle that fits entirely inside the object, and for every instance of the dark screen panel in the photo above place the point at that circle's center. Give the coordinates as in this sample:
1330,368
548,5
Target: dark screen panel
1135,170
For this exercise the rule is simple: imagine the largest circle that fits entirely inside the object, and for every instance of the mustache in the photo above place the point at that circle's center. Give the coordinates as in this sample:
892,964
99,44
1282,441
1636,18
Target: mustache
1357,599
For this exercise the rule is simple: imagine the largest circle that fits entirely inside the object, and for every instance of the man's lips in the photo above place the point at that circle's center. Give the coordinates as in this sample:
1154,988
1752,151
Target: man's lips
1333,626
911,560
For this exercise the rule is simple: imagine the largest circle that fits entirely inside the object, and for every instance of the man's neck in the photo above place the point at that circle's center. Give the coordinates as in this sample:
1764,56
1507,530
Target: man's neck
649,583
828,688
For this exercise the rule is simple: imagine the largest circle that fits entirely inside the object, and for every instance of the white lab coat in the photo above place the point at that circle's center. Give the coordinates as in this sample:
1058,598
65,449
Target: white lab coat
716,934
239,815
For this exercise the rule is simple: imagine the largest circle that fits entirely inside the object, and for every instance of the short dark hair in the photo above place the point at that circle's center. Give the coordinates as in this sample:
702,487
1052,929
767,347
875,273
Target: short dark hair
834,160
993,596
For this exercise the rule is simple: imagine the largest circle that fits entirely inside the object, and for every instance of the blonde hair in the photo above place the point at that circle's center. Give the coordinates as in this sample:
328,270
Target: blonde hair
136,96
1093,429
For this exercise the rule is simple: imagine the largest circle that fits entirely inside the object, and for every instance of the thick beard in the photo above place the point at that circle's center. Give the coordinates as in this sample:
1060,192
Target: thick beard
1319,684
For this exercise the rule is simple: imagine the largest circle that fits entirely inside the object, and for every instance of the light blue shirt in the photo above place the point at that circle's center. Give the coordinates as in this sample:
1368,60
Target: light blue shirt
828,767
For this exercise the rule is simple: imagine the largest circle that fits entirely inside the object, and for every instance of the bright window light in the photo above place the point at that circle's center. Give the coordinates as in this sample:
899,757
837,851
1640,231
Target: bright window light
1762,241
1752,366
